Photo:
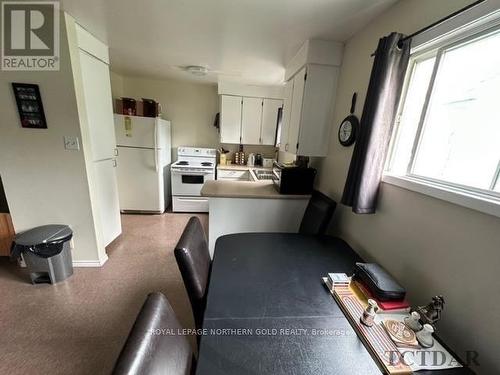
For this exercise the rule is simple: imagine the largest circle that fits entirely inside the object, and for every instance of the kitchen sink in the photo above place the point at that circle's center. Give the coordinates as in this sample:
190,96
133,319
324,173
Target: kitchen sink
262,174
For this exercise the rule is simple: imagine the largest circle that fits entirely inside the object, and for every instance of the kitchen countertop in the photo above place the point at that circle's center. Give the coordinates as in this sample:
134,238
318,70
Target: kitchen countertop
244,189
240,167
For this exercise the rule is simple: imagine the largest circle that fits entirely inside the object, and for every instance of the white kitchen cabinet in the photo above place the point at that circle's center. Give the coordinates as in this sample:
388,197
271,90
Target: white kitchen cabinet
285,124
98,105
106,199
307,111
230,124
92,80
270,109
251,119
296,110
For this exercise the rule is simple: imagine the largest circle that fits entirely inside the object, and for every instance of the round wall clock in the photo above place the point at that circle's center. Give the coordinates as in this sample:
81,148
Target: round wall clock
349,126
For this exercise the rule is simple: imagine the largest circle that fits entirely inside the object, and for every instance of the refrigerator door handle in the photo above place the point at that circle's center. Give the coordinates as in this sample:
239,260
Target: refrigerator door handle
156,146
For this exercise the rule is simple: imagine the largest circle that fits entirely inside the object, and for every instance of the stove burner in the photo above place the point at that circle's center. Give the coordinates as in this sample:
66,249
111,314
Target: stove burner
182,163
206,163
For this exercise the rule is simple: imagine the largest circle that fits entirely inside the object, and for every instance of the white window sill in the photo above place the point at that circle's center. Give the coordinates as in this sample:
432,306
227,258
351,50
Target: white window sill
482,203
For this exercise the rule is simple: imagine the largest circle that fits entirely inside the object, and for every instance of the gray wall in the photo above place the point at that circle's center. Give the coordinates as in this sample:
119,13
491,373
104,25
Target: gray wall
431,246
191,107
44,183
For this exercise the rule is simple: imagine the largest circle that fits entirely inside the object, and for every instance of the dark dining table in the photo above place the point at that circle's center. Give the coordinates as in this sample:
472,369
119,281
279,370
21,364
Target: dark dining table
269,313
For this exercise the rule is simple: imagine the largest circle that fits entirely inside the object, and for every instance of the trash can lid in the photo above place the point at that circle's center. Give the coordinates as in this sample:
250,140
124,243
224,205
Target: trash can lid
43,234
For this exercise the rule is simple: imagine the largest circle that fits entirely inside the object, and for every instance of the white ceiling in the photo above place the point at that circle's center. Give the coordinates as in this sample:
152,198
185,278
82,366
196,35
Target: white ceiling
250,39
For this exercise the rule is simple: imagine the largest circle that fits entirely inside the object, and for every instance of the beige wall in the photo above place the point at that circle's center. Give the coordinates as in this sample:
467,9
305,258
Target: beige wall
265,151
44,183
431,246
189,106
116,85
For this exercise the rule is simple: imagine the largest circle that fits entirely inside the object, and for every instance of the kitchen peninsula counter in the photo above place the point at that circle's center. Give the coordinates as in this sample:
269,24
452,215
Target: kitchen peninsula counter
245,189
250,206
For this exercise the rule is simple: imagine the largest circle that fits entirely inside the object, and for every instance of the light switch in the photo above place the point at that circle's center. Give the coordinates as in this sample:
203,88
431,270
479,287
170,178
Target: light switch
71,143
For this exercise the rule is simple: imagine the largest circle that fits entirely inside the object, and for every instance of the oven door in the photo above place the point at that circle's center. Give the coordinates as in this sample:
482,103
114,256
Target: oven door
189,182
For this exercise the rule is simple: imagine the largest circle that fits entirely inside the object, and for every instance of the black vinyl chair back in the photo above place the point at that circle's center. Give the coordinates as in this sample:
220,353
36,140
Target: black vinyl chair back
318,214
193,260
148,353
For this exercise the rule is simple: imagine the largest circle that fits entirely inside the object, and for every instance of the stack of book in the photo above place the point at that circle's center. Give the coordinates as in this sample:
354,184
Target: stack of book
388,307
337,280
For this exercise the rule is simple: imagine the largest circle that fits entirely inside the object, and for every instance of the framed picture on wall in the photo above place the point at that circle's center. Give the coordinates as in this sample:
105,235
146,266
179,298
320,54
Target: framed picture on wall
29,105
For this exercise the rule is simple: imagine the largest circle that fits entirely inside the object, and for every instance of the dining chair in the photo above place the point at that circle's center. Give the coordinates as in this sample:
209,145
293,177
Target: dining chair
154,345
193,260
318,214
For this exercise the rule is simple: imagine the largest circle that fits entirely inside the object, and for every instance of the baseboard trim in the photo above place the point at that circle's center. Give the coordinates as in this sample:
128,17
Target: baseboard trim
90,263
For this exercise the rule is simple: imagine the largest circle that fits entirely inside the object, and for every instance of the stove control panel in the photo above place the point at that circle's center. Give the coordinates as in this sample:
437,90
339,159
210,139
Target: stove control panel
196,151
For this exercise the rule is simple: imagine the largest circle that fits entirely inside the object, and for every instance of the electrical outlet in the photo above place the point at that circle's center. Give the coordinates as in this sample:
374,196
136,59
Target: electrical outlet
71,143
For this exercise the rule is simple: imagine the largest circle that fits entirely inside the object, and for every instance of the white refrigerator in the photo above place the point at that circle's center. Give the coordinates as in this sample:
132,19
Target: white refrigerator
144,158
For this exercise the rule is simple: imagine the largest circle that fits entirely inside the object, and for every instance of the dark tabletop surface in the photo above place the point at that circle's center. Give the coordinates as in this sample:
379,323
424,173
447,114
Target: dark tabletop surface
269,313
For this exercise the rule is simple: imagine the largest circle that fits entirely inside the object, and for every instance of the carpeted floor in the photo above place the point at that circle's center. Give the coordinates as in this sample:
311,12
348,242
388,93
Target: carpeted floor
79,326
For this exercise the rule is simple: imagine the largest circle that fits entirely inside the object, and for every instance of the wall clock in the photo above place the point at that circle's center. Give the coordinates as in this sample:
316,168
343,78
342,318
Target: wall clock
349,126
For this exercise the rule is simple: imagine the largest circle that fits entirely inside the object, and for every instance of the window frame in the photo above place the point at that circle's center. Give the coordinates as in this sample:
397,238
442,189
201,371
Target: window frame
487,201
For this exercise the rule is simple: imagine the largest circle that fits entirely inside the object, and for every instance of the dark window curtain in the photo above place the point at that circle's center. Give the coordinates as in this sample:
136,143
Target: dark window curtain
379,111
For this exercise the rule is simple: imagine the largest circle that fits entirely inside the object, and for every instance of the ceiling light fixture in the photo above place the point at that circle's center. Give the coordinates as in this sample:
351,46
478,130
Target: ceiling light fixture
197,70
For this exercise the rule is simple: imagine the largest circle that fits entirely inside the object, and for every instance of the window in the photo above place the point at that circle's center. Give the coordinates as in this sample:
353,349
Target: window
448,129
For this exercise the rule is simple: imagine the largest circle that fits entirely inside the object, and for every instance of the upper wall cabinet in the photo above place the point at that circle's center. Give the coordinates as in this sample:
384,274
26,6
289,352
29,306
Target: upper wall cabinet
309,98
230,129
307,112
249,120
282,140
270,112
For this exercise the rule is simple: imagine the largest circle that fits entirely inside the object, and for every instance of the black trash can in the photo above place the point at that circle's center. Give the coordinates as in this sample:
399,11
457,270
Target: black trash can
46,251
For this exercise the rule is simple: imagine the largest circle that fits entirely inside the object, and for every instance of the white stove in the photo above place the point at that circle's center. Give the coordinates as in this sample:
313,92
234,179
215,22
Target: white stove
193,167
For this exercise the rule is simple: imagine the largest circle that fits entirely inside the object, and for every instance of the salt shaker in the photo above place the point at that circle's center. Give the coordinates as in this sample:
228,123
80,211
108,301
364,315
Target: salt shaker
424,336
368,316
